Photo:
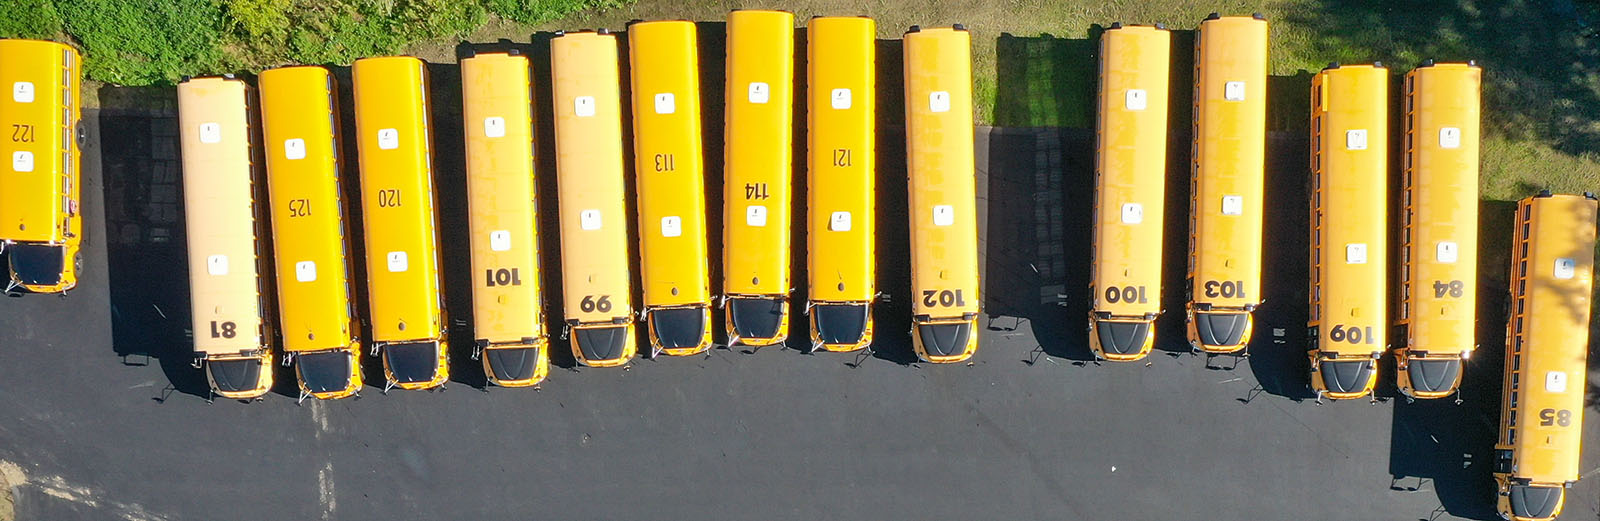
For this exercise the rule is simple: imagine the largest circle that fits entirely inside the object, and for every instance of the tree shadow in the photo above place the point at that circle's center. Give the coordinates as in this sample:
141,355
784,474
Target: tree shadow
1538,57
146,254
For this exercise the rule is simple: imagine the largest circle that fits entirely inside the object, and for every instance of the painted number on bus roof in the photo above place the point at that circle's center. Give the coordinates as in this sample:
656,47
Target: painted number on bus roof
589,219
1566,268
294,148
671,226
217,265
1232,205
1449,137
494,126
1233,91
755,215
500,240
210,133
1355,139
759,92
1136,99
944,215
397,261
1355,253
22,161
840,99
939,101
666,103
583,106
22,92
305,271
388,139
1132,213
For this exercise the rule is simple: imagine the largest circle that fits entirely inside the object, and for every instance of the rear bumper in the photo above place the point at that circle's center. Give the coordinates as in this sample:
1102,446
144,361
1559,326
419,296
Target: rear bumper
1121,339
680,330
1220,330
422,364
757,320
946,340
604,344
240,377
841,326
1343,378
518,364
1427,377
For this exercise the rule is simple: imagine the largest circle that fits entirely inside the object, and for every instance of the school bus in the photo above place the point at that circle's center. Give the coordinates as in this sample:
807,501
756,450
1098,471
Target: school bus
669,169
1130,180
397,201
507,305
756,193
840,185
1349,232
1226,179
300,136
229,292
596,280
41,230
1547,343
943,193
1439,250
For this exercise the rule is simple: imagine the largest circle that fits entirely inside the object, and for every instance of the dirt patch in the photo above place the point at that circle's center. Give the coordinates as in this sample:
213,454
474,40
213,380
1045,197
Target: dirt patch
10,475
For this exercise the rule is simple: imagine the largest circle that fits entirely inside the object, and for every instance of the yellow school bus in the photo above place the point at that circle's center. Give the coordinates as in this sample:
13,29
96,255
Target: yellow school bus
41,230
943,193
756,194
228,291
1547,344
1349,232
1130,181
596,280
507,306
1225,204
397,200
669,170
300,126
1439,251
840,185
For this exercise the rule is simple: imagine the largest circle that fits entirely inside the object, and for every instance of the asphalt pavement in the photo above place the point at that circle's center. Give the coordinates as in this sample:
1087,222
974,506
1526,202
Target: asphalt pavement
104,418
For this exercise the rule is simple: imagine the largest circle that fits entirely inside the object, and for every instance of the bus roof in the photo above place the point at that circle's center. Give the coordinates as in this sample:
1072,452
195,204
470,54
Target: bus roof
40,79
301,143
397,198
215,129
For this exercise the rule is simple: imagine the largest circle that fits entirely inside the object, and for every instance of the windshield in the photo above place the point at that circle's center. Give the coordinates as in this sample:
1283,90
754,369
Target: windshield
37,264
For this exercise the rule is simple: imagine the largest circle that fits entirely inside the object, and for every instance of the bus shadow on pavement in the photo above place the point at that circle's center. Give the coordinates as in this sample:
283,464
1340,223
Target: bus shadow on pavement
147,267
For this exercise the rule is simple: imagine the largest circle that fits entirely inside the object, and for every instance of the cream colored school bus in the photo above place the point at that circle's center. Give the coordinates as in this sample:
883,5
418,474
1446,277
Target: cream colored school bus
229,292
756,195
1130,181
507,305
1439,228
596,280
669,171
1226,200
397,214
41,229
1349,229
840,181
1547,345
300,129
943,193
